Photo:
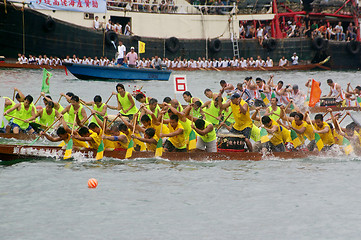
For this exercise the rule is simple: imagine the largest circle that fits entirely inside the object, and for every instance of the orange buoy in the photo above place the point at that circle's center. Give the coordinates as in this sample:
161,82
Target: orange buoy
92,183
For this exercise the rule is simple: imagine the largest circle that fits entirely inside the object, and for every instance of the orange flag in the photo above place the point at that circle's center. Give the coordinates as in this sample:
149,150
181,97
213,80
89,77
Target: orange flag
315,93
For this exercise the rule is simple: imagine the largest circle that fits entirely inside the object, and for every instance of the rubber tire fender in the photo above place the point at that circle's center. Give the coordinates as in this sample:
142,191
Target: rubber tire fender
49,24
318,43
215,45
111,36
353,47
172,44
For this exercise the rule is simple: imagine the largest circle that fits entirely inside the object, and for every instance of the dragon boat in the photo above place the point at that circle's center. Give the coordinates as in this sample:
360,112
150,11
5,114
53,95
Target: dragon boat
9,152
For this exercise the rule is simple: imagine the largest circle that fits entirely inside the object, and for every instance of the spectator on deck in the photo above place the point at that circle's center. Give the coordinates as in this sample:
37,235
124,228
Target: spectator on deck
127,30
351,35
109,26
242,33
340,35
118,28
260,35
132,58
313,29
96,24
121,53
330,33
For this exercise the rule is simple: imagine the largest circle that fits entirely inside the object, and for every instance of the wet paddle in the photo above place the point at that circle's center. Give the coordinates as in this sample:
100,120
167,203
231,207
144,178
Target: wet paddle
47,129
35,124
100,151
69,146
159,149
220,125
37,100
108,99
130,149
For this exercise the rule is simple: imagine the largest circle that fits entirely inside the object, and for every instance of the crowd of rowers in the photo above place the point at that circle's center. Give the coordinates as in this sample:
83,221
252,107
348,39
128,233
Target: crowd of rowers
174,124
201,63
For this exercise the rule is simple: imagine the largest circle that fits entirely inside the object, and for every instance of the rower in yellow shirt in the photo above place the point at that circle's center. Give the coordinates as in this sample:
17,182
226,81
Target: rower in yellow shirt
243,123
176,141
303,130
118,135
325,132
152,123
150,139
275,144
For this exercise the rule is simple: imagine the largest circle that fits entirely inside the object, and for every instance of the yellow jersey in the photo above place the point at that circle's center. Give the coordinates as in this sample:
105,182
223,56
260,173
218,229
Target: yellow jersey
178,141
327,138
242,121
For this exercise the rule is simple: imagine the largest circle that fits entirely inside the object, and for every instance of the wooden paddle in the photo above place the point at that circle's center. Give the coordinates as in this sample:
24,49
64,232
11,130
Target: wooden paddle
113,121
343,118
159,153
14,95
47,129
101,147
60,96
210,114
69,146
38,124
37,100
109,99
216,69
220,125
130,149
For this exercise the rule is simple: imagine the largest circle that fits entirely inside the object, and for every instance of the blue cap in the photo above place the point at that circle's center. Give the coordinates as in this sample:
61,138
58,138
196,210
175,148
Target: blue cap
235,95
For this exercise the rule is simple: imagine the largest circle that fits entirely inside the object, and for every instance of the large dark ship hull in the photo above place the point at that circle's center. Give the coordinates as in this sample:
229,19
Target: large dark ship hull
44,35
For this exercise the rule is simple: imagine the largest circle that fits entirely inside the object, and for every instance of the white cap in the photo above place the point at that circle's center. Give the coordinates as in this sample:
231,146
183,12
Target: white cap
131,48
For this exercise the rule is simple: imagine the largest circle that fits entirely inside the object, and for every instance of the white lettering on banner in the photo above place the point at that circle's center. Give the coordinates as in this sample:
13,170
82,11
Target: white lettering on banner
91,6
180,84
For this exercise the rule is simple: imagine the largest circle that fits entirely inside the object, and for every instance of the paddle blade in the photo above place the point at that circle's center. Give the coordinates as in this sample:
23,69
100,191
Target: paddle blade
36,139
295,140
192,140
130,149
100,151
265,99
319,142
159,149
264,136
359,101
69,149
347,147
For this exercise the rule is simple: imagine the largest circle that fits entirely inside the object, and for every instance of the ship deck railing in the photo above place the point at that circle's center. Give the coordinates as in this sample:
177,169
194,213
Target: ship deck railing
169,7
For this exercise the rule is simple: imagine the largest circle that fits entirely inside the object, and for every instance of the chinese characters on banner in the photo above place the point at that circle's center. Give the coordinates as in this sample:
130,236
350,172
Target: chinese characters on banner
180,84
91,6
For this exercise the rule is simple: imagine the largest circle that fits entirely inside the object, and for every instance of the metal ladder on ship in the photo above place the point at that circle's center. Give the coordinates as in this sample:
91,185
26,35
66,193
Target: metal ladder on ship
234,38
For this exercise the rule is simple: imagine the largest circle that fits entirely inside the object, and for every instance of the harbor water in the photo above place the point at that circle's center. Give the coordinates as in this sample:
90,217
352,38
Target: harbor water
310,198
